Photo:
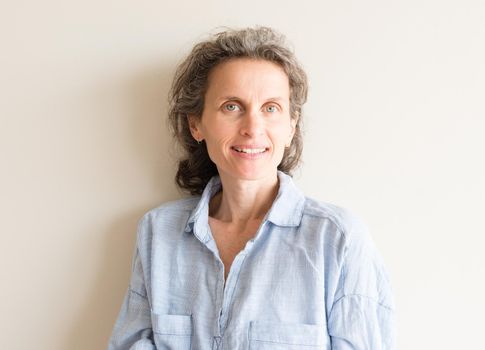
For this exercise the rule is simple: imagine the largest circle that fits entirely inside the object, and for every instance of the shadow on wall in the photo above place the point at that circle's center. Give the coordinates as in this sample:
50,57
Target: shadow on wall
147,95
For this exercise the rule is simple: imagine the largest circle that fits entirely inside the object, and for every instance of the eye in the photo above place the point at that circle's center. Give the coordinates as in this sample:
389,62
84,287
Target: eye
271,109
231,107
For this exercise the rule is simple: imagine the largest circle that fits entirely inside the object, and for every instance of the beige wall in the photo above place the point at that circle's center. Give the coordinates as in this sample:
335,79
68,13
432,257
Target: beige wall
394,131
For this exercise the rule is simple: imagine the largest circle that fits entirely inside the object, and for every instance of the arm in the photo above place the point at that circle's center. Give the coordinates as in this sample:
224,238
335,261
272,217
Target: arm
360,323
362,314
133,328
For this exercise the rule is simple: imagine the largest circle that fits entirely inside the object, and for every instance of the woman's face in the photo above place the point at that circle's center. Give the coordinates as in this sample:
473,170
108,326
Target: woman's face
246,121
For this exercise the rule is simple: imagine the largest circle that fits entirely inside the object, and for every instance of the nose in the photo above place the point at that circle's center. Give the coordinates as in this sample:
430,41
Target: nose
252,124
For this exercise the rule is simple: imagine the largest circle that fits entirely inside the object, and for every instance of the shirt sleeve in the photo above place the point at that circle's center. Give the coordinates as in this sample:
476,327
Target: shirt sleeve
362,315
133,328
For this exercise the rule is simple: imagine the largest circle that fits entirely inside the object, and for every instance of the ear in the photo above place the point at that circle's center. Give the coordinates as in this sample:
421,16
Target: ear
194,125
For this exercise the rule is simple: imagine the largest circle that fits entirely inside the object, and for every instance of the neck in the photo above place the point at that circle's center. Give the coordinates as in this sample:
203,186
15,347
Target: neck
241,201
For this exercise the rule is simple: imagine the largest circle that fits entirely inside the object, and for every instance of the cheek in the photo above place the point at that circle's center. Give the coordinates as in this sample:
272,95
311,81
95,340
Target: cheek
216,143
281,133
215,128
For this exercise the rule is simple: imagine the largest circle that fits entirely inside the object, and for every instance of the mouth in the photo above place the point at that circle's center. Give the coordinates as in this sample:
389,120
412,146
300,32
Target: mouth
249,150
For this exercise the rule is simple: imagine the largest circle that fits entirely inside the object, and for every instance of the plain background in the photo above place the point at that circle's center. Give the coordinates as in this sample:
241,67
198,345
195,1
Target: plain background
394,126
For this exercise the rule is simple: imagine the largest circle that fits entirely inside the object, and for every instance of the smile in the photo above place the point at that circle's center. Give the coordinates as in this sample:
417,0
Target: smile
249,150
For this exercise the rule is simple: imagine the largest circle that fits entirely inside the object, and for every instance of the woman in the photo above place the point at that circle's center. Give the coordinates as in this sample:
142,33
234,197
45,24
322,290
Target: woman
249,262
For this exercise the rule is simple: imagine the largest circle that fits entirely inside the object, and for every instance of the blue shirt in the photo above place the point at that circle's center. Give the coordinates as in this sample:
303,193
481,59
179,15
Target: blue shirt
311,278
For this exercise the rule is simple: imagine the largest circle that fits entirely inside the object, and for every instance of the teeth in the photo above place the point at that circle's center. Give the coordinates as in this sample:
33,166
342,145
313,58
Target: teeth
250,150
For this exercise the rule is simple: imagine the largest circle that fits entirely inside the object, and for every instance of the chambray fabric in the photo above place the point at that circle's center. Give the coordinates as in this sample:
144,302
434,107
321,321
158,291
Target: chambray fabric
311,278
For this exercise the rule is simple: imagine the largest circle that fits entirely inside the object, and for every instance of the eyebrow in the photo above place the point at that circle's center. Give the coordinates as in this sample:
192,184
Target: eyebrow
235,98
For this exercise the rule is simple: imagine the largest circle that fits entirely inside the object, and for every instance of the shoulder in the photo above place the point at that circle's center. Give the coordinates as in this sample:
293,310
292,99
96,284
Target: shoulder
171,208
348,243
348,226
169,217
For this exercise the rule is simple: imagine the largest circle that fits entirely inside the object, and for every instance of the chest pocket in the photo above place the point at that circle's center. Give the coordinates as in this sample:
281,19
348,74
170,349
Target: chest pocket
172,332
285,336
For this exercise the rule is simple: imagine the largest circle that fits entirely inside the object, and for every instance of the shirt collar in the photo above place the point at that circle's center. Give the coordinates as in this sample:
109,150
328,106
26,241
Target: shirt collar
287,208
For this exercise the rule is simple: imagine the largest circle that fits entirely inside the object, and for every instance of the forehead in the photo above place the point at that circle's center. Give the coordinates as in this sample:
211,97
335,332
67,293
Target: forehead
246,76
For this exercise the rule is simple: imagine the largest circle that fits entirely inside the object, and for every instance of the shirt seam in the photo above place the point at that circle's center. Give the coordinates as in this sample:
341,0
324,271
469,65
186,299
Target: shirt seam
362,296
331,218
138,293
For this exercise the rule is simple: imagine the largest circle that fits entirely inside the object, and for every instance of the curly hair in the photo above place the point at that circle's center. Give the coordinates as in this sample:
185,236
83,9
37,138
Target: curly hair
189,86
